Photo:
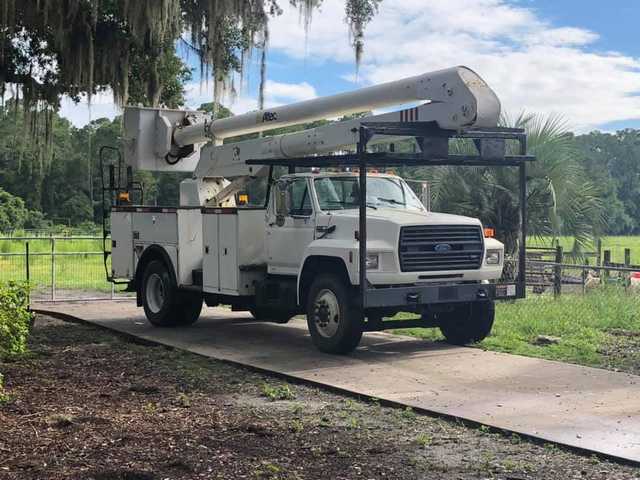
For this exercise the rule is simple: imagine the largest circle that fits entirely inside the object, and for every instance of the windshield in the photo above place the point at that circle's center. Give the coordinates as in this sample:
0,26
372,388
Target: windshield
339,193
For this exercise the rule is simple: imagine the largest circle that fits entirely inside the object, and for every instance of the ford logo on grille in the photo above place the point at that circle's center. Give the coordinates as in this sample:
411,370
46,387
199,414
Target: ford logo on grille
442,247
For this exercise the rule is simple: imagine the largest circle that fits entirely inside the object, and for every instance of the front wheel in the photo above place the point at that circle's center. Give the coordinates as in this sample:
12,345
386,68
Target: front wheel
335,325
467,322
164,305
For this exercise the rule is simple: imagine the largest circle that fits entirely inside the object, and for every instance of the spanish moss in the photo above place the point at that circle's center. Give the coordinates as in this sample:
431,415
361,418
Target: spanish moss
51,48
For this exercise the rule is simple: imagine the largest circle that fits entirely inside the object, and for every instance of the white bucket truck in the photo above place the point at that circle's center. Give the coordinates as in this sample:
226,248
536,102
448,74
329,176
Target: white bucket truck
300,252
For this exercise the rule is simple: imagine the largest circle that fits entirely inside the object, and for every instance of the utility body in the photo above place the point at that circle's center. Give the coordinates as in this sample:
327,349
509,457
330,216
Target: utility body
301,252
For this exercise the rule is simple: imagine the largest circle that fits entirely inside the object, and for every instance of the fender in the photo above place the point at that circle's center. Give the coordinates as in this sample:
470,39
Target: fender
152,252
337,249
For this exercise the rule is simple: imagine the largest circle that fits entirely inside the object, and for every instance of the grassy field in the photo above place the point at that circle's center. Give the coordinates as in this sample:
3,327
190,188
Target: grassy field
601,328
616,244
78,263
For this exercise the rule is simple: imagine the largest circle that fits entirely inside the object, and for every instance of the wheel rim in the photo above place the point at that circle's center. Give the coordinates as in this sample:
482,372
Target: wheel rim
326,313
155,293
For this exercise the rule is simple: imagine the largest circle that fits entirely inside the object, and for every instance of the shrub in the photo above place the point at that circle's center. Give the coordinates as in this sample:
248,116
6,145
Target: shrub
278,392
15,319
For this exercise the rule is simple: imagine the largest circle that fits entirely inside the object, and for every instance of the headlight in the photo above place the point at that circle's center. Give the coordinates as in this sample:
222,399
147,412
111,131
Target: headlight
493,257
372,261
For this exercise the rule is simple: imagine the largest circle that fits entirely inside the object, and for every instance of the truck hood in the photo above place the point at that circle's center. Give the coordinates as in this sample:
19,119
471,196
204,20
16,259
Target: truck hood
408,217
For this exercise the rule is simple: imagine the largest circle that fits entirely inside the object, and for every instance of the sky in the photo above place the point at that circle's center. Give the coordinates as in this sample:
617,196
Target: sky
575,58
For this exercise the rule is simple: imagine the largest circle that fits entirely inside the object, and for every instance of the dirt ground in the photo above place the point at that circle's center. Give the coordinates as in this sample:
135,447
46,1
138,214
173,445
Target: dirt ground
87,404
621,353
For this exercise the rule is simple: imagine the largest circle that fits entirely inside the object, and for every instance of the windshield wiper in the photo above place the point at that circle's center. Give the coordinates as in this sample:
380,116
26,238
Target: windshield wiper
351,204
392,201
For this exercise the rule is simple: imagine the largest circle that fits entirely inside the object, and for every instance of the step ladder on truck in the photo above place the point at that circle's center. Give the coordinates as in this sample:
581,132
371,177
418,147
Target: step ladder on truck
301,251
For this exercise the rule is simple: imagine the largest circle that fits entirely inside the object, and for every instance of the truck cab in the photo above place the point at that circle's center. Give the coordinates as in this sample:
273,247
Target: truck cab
317,214
312,234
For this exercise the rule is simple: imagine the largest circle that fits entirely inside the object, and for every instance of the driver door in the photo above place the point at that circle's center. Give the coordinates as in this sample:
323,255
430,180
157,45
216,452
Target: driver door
290,225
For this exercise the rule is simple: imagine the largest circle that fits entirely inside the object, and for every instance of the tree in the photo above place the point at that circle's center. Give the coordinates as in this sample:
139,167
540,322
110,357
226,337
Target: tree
172,75
25,162
14,214
221,110
72,47
612,161
12,211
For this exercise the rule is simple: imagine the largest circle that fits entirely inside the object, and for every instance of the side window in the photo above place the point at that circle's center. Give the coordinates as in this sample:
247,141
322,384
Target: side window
299,198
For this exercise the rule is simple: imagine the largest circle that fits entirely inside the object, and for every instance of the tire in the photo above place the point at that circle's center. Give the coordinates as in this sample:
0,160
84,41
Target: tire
270,314
190,307
467,323
335,325
164,305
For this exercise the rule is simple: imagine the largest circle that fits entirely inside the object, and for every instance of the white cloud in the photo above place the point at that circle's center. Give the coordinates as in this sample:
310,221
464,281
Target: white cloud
276,93
81,113
292,92
531,64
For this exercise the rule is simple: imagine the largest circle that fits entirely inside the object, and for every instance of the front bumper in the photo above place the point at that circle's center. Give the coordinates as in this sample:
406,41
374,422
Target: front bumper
405,296
395,277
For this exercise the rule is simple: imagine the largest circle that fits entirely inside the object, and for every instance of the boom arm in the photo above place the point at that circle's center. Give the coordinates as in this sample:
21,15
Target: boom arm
170,139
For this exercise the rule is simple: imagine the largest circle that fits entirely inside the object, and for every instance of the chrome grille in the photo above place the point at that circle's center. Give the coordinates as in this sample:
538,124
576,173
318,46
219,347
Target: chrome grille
428,248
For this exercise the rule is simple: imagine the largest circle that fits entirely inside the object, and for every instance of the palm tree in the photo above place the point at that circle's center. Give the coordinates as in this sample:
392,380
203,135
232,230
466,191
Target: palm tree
560,198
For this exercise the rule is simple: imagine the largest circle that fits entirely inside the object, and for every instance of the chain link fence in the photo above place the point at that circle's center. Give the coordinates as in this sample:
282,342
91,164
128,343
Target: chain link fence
58,268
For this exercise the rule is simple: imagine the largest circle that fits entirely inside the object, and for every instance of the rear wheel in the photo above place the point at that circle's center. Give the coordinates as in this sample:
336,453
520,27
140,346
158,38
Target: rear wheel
335,325
189,308
164,305
467,322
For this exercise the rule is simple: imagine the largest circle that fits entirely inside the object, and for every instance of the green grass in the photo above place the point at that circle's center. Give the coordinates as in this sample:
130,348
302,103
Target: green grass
616,244
79,266
582,322
43,245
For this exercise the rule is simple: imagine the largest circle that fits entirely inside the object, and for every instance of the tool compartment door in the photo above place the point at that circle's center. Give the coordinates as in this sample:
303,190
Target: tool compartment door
228,253
210,263
121,245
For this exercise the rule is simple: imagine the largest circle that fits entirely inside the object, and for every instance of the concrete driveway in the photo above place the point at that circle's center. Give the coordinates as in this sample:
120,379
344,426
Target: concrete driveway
582,407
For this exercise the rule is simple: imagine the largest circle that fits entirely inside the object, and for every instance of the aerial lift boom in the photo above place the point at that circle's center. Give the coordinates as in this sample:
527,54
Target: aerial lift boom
169,140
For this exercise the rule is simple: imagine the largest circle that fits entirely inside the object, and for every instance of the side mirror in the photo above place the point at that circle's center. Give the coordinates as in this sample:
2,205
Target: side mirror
282,202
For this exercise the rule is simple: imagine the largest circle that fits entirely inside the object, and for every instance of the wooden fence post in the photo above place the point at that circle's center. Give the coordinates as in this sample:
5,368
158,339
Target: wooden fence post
627,263
557,272
599,253
605,263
